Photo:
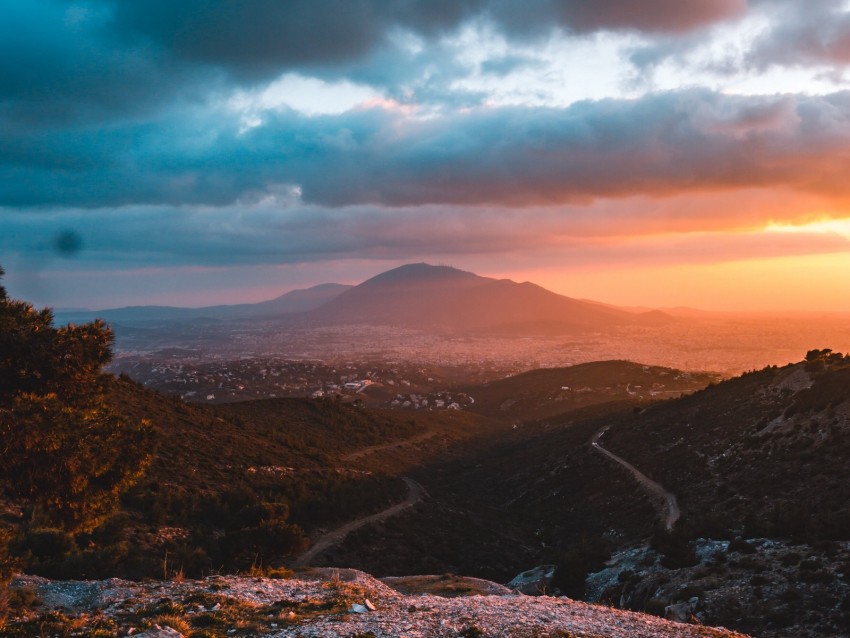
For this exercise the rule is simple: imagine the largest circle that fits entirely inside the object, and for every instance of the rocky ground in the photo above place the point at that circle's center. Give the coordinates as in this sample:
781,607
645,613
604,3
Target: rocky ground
316,603
767,587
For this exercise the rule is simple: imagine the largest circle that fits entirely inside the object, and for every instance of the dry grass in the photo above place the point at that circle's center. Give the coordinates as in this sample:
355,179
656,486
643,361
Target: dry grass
176,622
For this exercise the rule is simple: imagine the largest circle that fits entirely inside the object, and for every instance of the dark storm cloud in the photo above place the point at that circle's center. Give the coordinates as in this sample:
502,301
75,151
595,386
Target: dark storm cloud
263,36
649,16
661,144
62,64
87,61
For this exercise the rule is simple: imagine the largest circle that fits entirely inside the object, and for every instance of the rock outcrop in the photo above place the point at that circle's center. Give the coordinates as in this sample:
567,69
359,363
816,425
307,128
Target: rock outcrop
318,604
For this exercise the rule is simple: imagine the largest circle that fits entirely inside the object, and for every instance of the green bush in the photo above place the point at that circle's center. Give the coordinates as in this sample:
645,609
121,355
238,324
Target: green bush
65,453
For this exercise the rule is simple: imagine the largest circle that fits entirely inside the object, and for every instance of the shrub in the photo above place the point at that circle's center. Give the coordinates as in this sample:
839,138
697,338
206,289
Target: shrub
792,558
676,548
656,607
64,451
48,544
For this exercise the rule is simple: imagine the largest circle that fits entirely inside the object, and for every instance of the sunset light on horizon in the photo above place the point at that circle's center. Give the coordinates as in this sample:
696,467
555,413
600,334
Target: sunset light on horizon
655,154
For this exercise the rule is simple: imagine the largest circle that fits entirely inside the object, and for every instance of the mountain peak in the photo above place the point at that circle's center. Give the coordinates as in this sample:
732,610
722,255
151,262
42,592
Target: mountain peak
421,273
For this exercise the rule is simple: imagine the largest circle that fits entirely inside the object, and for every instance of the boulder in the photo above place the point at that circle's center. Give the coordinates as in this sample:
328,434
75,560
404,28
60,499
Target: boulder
681,612
534,582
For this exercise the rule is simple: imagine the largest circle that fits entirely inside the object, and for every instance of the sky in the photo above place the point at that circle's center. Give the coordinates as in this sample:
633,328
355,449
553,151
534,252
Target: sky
655,153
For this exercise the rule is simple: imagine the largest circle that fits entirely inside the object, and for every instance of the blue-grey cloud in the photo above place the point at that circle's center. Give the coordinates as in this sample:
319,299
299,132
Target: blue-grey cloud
96,61
261,36
106,103
62,64
661,144
649,16
798,34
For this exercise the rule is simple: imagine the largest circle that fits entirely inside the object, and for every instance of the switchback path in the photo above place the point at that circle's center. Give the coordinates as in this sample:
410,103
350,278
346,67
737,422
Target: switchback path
669,510
415,494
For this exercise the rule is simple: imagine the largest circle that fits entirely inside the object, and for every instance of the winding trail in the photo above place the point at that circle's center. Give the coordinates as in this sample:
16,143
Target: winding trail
415,494
669,509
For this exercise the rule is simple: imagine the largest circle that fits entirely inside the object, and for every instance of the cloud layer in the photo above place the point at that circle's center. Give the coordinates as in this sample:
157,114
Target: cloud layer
208,132
661,145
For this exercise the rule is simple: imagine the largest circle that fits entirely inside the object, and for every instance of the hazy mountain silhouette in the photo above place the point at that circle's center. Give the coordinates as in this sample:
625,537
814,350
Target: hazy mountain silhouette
441,297
295,301
415,296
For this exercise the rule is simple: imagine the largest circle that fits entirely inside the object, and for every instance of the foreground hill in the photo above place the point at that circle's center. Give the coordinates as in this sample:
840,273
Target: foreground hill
758,464
320,604
441,297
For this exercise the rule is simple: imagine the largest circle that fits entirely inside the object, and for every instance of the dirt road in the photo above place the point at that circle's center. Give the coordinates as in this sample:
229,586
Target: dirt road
669,509
415,494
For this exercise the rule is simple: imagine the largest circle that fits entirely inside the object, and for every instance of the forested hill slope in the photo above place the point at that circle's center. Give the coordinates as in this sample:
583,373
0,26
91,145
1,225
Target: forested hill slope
548,392
233,486
767,450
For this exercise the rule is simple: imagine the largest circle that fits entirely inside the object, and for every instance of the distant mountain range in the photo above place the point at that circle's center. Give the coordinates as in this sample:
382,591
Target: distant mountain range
295,301
415,296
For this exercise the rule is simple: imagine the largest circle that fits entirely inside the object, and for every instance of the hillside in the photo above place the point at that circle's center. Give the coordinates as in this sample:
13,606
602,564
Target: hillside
243,484
766,450
758,464
539,394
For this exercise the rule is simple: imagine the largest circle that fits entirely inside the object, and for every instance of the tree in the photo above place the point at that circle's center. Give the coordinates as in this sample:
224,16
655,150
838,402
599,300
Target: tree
65,453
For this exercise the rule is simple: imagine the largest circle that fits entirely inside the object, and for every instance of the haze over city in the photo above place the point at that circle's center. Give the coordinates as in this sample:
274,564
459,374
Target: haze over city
652,154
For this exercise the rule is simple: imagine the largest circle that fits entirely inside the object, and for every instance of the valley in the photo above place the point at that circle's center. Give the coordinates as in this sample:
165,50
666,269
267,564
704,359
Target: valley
684,492
753,549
